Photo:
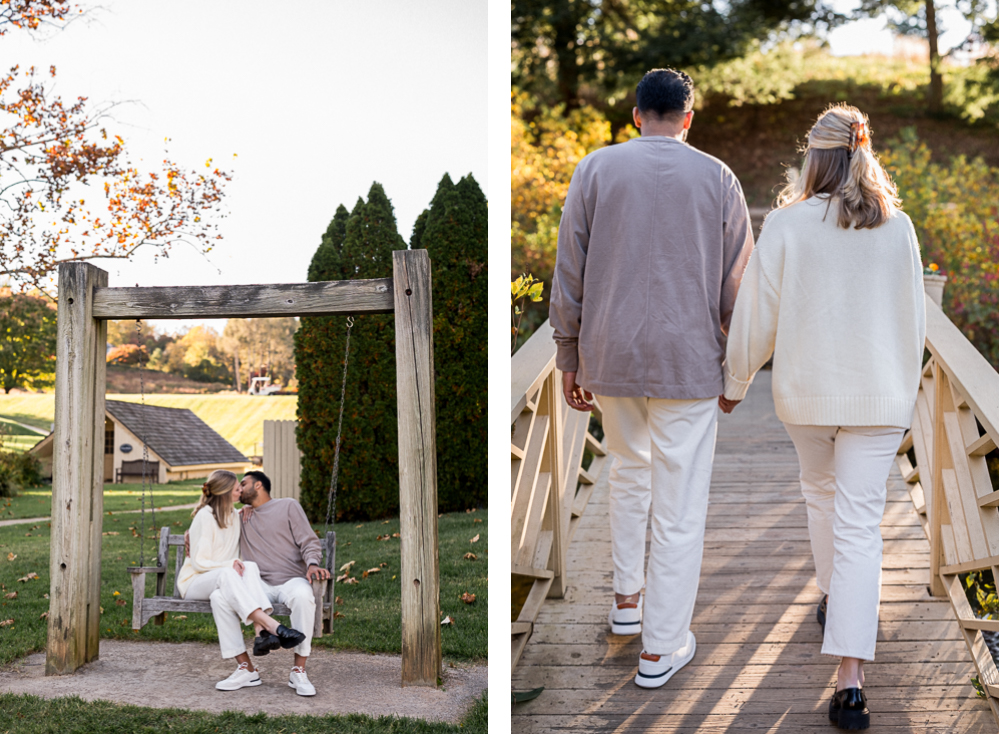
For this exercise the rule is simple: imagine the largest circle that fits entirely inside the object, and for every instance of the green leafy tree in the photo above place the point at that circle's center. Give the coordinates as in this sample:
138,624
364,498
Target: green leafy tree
453,231
27,341
368,483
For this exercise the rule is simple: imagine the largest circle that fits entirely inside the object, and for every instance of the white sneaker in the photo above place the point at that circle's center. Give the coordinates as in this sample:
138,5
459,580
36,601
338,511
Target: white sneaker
653,674
240,679
627,619
298,680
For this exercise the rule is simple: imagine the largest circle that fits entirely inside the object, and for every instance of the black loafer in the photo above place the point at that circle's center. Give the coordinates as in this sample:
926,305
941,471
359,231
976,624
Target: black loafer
849,709
288,637
821,613
266,642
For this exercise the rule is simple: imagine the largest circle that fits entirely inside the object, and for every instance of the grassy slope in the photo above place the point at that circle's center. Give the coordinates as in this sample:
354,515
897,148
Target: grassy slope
237,418
370,608
37,501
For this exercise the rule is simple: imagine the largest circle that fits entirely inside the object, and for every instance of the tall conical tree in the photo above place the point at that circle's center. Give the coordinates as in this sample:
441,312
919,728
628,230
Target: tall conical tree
368,480
454,235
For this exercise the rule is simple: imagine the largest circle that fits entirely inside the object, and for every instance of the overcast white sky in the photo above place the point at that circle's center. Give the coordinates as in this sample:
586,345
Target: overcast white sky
318,99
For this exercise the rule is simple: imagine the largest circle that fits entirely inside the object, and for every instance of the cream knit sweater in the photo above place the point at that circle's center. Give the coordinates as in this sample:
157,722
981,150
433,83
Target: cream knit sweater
842,310
211,546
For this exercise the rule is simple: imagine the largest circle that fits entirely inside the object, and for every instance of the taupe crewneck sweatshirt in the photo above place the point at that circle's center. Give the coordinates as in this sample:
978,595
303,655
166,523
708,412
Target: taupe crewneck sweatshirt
280,541
653,242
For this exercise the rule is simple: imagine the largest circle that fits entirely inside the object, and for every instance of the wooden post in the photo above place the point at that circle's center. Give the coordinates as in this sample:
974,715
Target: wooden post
418,505
937,505
77,473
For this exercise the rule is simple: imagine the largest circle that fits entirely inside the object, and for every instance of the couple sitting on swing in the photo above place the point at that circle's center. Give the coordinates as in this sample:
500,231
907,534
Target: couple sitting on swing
245,562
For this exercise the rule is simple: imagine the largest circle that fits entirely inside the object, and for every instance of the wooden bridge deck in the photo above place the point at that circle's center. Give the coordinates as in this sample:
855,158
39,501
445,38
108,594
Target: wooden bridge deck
758,664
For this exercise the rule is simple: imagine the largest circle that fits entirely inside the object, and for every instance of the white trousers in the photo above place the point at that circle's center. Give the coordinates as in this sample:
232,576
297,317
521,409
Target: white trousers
243,594
296,594
661,458
843,473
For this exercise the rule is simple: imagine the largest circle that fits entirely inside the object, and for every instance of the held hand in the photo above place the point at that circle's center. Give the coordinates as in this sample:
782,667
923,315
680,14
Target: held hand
187,542
727,405
246,513
320,573
576,397
238,565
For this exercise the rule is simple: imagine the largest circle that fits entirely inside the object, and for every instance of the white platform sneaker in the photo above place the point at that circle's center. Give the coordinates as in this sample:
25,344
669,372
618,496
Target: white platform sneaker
298,680
241,678
653,674
626,618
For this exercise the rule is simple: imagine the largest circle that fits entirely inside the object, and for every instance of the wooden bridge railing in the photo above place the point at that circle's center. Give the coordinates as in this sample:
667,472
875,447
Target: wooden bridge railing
549,486
954,432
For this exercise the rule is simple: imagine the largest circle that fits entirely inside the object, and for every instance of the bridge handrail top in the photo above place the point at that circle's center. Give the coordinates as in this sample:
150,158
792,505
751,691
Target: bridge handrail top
529,366
966,368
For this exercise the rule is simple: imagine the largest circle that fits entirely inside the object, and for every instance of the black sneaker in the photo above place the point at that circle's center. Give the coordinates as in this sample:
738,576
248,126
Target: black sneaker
289,637
849,709
266,642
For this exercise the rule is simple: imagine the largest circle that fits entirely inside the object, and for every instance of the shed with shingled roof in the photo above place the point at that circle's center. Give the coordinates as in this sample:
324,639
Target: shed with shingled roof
182,443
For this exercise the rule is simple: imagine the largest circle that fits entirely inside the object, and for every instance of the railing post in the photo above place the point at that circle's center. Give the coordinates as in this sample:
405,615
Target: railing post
938,506
552,462
418,504
77,473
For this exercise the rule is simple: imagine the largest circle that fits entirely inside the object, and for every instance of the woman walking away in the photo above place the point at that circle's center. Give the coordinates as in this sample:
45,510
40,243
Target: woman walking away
214,568
834,290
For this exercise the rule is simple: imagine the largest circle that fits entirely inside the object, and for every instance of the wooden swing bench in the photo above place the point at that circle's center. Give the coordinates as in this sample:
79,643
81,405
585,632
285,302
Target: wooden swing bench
155,607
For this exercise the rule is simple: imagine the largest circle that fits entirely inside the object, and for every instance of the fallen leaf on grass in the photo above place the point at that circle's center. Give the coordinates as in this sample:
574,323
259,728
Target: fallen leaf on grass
469,556
45,596
386,522
27,535
477,519
347,566
351,580
338,600
11,556
11,595
7,623
30,576
468,598
446,621
340,578
177,616
43,615
472,510
475,540
338,615
373,570
122,602
358,526
110,532
383,537
383,565
395,535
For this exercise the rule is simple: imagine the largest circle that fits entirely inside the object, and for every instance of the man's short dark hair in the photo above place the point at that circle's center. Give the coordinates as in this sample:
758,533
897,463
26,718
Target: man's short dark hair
260,477
665,93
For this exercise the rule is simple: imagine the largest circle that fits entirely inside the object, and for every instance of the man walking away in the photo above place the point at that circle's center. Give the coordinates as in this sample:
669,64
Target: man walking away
653,242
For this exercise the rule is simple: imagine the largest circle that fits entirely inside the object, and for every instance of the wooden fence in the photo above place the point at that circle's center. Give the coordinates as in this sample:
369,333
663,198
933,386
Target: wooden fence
549,486
954,432
282,458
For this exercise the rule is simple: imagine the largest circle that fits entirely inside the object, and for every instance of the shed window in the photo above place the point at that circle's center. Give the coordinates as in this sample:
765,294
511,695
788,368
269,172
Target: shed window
109,437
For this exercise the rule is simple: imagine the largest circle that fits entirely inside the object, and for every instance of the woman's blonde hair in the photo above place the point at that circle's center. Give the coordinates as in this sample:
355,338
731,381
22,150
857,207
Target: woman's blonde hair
216,492
839,163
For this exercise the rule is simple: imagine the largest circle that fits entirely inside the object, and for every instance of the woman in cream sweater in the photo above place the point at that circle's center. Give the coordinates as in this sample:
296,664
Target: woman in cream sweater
834,290
213,569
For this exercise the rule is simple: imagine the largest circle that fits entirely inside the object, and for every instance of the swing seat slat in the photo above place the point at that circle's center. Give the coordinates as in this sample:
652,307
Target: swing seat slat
145,608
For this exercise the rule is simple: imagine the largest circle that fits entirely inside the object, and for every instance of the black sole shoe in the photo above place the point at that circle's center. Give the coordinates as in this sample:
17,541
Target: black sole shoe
288,637
821,613
266,642
849,709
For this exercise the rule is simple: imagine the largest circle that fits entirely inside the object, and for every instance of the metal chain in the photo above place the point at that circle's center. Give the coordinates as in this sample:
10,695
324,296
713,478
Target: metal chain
331,500
145,453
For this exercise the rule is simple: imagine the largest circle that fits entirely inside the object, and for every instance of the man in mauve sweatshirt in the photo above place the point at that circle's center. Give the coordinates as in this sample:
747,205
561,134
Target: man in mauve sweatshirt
653,242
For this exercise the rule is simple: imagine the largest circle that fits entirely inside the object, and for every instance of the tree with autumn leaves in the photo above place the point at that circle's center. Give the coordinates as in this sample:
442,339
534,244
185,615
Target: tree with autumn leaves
68,190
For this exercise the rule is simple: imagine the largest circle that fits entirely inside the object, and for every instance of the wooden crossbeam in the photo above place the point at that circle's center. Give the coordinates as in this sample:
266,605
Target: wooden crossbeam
245,301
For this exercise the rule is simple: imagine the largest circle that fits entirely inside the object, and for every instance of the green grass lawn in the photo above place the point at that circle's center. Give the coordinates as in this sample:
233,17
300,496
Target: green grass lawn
370,608
237,418
33,715
15,437
37,501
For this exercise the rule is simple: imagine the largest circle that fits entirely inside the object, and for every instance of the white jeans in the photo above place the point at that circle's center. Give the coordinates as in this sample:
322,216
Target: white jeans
296,594
843,472
661,453
243,594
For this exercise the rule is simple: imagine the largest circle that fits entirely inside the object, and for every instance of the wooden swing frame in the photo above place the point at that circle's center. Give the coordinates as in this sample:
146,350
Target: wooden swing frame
86,303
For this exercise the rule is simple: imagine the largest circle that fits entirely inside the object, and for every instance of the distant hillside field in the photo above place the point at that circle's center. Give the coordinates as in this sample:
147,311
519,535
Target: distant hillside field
237,418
